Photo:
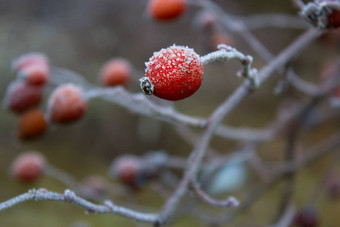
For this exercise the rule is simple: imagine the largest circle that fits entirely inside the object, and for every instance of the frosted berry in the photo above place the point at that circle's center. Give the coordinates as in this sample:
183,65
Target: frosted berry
66,104
28,167
307,217
128,170
35,74
117,71
173,73
31,124
21,96
29,59
166,9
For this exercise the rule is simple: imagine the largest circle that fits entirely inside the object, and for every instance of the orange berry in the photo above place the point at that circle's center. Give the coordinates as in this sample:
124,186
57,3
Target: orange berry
31,124
116,71
28,166
166,9
28,59
21,96
66,104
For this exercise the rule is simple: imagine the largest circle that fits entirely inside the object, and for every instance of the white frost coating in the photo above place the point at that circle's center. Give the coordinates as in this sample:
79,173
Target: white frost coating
225,53
160,54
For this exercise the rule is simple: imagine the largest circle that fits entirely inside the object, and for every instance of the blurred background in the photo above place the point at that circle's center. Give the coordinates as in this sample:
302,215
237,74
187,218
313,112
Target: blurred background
82,35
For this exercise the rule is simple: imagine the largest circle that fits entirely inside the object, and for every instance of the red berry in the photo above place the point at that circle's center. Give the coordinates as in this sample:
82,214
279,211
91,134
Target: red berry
66,104
21,96
31,124
35,74
117,71
334,19
166,9
28,166
128,170
26,60
175,73
308,217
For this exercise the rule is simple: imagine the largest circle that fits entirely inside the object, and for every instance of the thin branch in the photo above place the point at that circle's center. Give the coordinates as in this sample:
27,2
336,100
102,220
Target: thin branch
71,197
275,20
222,111
229,202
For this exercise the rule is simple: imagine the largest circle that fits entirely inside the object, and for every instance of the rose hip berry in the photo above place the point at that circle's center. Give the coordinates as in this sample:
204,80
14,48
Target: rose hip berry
31,124
166,9
66,104
128,170
173,73
35,74
28,59
21,96
117,71
28,167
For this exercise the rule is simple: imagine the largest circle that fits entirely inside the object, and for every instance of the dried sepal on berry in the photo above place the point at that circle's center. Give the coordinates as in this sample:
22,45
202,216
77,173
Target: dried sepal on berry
323,13
66,104
174,73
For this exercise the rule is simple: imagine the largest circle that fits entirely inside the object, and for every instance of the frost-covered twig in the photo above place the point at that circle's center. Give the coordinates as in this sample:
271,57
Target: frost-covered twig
229,202
275,20
71,197
221,112
226,53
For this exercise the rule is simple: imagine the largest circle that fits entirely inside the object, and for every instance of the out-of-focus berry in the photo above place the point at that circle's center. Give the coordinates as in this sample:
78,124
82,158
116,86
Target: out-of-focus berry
66,104
128,170
29,59
307,217
35,74
21,96
173,73
31,124
163,10
28,166
117,71
204,20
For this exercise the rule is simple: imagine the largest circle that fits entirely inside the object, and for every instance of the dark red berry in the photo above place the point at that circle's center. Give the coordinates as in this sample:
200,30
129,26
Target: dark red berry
21,96
31,124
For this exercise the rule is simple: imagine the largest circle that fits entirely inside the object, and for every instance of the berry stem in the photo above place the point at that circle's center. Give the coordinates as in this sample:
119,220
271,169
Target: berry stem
226,53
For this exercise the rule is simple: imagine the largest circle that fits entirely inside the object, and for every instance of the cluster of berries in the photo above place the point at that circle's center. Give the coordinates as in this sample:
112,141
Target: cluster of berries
67,102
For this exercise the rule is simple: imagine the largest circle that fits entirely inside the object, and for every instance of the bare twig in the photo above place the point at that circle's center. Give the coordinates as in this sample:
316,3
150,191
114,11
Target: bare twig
229,202
71,197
